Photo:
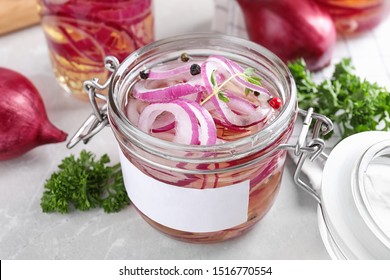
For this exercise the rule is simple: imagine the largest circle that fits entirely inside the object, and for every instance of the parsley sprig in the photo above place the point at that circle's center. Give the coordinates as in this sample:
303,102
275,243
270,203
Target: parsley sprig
248,74
85,183
353,103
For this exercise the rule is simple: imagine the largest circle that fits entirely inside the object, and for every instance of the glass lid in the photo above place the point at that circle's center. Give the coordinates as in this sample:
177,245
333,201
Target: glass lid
371,189
355,196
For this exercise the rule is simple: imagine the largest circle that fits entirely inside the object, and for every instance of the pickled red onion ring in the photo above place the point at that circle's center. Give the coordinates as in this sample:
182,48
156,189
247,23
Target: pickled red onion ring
207,131
229,117
185,120
240,105
193,124
167,93
195,97
164,122
207,69
233,69
134,109
187,109
164,128
168,73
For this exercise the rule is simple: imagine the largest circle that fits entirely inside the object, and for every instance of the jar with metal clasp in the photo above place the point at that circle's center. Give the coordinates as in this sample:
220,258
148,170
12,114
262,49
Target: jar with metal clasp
202,193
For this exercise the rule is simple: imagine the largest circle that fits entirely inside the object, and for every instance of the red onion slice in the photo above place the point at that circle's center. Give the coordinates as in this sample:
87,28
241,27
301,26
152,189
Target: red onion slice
247,118
164,122
207,129
167,93
134,109
167,102
260,114
162,74
185,120
207,69
195,97
240,105
193,123
232,68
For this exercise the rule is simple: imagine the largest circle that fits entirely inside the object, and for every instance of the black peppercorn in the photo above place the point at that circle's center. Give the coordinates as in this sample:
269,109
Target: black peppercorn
195,69
144,74
184,57
256,93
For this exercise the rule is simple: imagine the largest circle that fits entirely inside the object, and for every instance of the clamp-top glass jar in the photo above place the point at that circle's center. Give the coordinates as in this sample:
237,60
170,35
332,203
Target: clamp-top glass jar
198,193
358,16
81,33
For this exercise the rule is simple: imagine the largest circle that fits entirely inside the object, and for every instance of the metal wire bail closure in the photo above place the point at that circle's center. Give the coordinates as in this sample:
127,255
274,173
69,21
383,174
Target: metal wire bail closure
310,148
98,119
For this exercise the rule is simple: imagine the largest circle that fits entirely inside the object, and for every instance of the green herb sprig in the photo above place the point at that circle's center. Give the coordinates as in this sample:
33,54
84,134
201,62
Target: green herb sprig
353,103
248,74
85,183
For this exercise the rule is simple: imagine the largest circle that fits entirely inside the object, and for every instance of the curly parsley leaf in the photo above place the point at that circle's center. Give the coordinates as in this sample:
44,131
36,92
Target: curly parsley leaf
353,103
85,183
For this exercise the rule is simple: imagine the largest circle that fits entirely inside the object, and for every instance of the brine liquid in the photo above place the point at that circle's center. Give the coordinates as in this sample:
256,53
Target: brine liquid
264,177
356,16
261,198
80,34
264,182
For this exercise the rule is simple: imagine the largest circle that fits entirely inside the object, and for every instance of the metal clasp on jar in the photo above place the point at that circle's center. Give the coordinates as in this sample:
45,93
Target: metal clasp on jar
305,147
98,119
310,148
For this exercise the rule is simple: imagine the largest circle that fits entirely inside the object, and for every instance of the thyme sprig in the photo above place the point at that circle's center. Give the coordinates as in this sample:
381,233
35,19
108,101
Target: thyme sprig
249,74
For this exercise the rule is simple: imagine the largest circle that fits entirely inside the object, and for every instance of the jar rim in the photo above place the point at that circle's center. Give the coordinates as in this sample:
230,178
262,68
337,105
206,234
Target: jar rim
276,127
361,189
344,210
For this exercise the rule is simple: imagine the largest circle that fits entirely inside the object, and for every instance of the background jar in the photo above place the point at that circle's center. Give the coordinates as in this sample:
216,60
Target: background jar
358,16
81,33
253,164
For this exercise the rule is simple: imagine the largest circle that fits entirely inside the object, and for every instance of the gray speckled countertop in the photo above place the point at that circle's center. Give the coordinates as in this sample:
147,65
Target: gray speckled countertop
289,231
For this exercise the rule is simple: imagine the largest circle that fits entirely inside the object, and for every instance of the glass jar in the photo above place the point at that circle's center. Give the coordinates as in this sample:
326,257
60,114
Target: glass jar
81,33
354,17
198,193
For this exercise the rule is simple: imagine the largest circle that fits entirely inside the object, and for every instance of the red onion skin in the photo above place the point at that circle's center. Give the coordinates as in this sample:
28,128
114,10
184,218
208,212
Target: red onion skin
291,29
24,124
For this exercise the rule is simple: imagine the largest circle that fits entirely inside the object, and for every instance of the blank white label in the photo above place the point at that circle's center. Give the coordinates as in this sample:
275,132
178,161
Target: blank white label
186,209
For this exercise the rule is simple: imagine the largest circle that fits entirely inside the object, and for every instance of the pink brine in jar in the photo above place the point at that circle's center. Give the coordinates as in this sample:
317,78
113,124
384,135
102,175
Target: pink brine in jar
356,16
200,121
81,33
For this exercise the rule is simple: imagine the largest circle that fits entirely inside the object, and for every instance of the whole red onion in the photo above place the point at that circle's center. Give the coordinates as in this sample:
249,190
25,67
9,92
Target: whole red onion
291,29
23,120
